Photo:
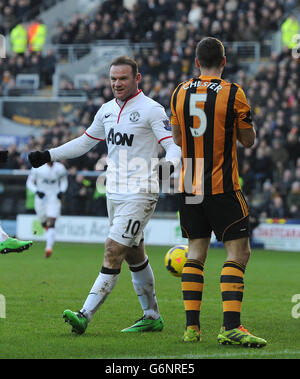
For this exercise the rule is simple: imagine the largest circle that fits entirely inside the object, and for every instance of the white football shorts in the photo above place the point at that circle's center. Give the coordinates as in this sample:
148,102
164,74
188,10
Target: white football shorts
47,207
128,219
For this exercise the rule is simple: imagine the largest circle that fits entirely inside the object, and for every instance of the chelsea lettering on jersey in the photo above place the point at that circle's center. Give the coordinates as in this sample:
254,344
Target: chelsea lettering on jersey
133,130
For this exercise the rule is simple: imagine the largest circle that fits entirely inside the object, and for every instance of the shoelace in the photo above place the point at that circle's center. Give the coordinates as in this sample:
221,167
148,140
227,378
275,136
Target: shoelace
144,318
242,329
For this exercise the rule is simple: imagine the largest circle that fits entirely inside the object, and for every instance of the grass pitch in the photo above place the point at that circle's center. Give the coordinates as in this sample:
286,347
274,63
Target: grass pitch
37,290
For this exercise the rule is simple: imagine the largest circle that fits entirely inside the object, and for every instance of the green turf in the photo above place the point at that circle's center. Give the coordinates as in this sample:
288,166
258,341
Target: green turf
38,290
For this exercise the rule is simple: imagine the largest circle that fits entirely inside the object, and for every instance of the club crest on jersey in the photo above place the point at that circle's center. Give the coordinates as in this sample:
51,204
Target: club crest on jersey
134,116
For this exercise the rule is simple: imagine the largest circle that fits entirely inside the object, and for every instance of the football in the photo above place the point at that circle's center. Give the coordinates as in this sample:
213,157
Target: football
175,259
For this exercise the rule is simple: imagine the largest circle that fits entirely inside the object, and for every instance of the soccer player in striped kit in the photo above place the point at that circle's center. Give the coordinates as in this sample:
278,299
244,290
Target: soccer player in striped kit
209,116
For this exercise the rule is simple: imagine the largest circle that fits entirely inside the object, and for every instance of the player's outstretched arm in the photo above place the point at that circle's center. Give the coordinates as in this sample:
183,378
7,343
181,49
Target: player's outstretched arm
69,150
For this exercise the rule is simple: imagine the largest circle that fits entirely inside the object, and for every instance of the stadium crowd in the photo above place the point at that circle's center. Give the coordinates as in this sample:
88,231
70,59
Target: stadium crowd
12,11
269,171
169,27
157,21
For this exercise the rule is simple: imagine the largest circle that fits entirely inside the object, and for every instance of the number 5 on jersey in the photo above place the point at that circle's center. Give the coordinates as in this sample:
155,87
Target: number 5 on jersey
198,112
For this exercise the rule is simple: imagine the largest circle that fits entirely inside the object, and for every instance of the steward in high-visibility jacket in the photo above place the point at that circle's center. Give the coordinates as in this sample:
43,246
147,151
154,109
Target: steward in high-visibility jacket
18,39
37,34
289,29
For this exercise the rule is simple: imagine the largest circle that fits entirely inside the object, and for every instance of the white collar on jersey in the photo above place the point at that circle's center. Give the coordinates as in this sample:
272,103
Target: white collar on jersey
122,103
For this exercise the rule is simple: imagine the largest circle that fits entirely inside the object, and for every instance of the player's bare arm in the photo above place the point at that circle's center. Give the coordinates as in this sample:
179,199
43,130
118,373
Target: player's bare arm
176,132
246,136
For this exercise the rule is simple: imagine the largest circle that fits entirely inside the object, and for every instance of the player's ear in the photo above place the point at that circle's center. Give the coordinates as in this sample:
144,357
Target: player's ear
224,61
138,77
197,63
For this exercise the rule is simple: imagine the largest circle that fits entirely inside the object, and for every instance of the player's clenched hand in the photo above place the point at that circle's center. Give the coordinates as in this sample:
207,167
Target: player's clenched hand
3,156
38,158
40,194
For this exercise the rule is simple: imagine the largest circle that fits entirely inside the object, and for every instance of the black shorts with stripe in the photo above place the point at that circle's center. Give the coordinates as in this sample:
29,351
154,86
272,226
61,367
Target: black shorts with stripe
225,214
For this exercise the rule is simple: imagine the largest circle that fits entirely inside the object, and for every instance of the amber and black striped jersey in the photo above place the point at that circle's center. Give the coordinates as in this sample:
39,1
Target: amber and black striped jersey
209,110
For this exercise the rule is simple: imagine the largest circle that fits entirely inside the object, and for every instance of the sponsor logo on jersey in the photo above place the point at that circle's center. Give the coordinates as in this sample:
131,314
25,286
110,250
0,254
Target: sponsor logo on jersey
134,116
119,138
49,181
107,115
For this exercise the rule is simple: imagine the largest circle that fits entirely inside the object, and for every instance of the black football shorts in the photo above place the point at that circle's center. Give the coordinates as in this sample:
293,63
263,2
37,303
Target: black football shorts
225,214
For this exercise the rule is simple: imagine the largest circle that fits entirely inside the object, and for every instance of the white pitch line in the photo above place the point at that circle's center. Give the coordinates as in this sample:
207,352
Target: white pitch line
254,353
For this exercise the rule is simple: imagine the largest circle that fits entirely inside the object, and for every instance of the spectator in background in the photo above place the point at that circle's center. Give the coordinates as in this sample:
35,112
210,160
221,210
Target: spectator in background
262,166
248,176
9,19
285,183
99,206
48,67
277,209
293,200
35,65
293,145
90,108
195,14
279,156
37,34
23,6
18,38
74,192
289,28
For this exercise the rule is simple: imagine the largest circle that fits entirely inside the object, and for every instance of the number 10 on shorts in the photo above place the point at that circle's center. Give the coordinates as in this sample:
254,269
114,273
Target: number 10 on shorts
133,227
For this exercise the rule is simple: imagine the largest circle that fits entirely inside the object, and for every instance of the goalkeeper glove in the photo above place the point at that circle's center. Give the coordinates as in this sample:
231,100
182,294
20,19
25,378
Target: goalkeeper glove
38,158
3,156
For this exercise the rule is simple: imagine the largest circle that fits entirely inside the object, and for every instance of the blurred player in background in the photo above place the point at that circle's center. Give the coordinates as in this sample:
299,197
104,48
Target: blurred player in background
48,182
9,244
133,125
209,116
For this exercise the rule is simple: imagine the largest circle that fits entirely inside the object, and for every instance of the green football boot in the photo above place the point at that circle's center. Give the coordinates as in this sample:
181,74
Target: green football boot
77,320
240,336
11,245
145,325
191,335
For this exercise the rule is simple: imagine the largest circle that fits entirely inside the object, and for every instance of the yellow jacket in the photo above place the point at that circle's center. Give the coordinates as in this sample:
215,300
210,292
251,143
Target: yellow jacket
289,28
18,39
37,37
